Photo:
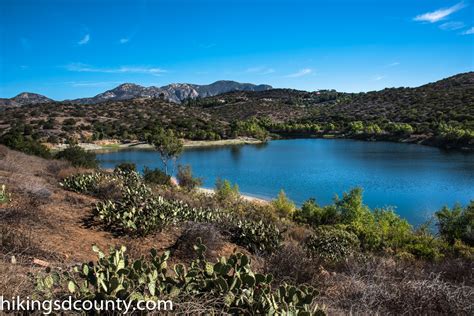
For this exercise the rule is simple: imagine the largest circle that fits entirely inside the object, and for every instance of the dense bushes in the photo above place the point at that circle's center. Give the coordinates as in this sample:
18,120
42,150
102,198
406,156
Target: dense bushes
226,192
28,145
383,230
283,206
457,224
156,176
126,167
185,178
250,128
232,280
78,157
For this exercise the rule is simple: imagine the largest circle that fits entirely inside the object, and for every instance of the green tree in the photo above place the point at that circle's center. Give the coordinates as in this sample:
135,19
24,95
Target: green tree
457,223
78,157
283,206
226,192
168,145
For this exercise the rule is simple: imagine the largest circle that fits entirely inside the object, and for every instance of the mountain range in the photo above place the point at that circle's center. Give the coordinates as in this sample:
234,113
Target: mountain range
176,92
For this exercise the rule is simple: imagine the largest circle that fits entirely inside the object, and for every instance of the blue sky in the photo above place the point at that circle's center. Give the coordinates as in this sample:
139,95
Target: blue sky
69,49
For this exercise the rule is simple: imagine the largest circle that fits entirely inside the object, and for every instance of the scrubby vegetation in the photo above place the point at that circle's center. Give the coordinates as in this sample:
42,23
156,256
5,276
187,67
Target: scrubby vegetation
156,176
137,211
239,290
439,114
186,179
78,157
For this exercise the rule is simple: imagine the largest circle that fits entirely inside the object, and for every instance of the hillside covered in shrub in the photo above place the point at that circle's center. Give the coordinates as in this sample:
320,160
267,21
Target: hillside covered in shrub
439,114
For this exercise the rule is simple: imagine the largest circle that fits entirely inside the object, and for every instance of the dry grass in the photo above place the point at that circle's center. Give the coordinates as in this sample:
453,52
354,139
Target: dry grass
384,286
14,279
290,264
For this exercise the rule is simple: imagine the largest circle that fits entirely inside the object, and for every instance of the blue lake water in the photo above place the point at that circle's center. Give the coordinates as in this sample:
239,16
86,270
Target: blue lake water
416,180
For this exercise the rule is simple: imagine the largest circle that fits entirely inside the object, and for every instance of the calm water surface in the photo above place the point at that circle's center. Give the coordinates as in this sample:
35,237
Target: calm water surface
416,180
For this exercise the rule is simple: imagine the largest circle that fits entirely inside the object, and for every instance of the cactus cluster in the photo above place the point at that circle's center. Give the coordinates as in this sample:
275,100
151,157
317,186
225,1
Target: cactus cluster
139,212
241,290
83,183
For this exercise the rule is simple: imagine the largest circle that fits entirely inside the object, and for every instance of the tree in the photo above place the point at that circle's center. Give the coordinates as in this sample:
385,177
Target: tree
168,145
78,157
226,192
283,205
186,179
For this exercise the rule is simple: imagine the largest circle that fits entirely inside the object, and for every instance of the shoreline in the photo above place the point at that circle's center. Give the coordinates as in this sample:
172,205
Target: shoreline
243,196
113,145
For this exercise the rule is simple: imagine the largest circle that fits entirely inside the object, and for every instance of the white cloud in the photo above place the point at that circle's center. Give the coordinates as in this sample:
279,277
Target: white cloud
394,64
124,40
84,40
438,15
452,26
261,70
78,67
379,77
469,31
301,73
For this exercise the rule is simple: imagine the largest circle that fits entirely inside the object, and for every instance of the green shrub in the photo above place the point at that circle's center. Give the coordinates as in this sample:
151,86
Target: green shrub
226,192
126,167
243,291
425,246
283,206
28,145
457,224
332,243
156,176
78,157
186,179
312,214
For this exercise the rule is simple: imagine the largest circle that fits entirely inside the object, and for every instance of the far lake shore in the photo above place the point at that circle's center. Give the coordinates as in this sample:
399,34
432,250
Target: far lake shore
113,145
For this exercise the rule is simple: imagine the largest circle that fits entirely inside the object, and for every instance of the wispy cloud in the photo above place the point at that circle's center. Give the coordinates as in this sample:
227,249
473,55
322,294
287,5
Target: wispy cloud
394,64
78,67
469,31
301,73
452,26
124,40
440,14
84,40
378,77
261,70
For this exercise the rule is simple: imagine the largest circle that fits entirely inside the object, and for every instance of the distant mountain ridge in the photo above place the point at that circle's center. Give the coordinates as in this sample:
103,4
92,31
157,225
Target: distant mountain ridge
175,92
25,98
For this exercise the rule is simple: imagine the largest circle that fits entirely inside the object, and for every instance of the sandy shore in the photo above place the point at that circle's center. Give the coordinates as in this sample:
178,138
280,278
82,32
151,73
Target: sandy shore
245,197
114,145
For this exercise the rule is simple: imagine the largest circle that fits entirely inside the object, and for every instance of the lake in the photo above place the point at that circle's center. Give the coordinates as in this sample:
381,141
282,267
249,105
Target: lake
416,180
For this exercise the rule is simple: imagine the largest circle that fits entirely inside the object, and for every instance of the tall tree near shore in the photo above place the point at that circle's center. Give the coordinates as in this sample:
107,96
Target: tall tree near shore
168,145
